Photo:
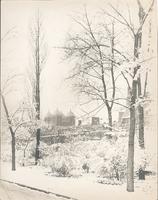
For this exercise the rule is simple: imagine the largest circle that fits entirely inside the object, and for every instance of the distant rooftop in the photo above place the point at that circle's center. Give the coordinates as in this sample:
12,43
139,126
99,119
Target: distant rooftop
59,113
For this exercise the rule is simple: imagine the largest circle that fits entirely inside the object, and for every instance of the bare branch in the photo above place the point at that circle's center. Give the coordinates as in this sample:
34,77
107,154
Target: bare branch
124,19
87,113
7,33
145,17
126,80
145,84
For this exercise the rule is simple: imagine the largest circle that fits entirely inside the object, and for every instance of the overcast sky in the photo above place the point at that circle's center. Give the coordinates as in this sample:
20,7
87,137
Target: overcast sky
57,21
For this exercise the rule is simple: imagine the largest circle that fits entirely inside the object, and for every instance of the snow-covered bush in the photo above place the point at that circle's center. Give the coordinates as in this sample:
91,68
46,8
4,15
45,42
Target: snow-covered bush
109,181
119,166
115,168
62,170
43,149
113,165
62,166
85,167
102,157
141,159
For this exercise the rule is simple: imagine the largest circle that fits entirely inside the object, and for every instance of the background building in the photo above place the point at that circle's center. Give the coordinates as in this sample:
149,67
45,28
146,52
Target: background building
59,119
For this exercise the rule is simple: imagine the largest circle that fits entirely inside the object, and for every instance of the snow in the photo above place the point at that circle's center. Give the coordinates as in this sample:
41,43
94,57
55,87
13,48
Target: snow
81,188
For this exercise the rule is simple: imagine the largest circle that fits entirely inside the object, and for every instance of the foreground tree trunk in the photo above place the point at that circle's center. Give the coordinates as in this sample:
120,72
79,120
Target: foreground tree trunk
141,15
38,132
130,162
37,152
110,119
141,126
140,116
13,152
11,132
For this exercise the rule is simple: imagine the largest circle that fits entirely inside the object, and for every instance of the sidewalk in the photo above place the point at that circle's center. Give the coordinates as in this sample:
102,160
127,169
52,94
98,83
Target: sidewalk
83,188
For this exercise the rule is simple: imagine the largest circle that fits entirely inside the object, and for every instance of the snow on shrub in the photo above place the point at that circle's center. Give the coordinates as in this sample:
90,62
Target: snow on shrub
142,159
62,166
30,153
109,181
106,158
114,164
43,149
103,157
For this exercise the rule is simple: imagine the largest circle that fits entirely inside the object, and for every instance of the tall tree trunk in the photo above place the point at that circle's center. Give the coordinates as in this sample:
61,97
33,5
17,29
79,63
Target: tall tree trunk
13,152
141,113
141,126
38,131
37,153
37,98
109,107
130,162
140,107
130,159
113,78
137,46
140,116
142,15
110,118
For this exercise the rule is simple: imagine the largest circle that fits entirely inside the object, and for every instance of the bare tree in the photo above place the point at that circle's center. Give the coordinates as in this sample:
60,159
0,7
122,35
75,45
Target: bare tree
38,60
11,131
15,121
135,86
3,92
94,52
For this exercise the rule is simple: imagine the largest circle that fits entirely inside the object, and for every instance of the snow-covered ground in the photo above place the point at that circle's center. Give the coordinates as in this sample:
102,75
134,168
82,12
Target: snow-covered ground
9,191
81,185
82,188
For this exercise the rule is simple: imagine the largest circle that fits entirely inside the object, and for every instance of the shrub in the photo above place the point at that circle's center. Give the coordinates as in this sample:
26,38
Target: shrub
44,148
62,166
85,166
114,164
119,167
63,170
115,168
141,159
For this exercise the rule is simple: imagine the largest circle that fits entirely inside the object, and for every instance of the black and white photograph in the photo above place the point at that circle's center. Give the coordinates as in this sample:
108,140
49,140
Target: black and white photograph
78,100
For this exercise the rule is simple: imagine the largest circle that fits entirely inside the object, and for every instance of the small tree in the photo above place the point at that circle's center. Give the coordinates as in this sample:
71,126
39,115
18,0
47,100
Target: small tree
15,121
3,91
